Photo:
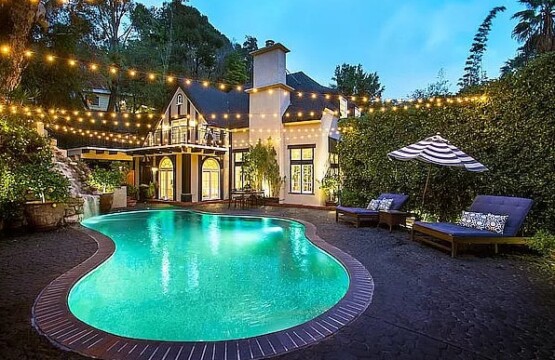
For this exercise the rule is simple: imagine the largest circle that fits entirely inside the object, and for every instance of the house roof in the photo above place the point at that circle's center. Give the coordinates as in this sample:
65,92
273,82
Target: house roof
310,108
209,100
212,101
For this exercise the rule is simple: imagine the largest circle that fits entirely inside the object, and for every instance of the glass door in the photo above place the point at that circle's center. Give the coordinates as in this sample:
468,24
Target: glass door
211,180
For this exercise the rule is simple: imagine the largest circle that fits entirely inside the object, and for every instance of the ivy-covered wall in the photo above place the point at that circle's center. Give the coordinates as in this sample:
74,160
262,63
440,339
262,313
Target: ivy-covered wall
512,133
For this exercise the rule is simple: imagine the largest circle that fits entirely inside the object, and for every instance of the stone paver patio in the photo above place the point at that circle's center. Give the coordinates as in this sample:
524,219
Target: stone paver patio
426,305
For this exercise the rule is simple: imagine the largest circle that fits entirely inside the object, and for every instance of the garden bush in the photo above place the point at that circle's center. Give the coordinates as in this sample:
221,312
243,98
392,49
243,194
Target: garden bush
511,131
26,168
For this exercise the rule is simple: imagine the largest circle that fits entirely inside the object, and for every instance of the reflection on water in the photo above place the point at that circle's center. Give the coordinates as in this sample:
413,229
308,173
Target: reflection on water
178,275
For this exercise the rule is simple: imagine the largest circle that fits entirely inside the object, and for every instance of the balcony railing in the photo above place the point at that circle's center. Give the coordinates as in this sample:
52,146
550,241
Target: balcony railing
181,135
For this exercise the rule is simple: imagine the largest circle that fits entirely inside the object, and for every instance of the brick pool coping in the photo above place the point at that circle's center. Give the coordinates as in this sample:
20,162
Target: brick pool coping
52,318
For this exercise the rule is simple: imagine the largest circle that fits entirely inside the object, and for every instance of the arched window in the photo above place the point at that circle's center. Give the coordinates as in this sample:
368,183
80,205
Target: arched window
210,179
166,179
179,99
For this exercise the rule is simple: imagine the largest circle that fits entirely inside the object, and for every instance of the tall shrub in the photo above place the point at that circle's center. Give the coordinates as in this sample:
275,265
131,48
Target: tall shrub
261,166
512,133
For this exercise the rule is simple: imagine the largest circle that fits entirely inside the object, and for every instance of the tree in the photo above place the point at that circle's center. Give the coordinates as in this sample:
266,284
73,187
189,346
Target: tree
250,45
473,67
518,62
17,21
536,27
438,88
54,84
111,34
235,69
352,80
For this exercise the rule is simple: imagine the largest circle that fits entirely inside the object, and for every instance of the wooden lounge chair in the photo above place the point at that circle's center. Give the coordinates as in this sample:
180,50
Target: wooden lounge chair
358,215
448,236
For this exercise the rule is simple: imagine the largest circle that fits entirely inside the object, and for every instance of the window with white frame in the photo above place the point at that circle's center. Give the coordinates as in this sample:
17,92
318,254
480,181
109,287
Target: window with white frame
179,99
302,169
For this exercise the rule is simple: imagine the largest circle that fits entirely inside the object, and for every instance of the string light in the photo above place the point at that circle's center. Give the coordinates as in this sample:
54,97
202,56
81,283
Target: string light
152,75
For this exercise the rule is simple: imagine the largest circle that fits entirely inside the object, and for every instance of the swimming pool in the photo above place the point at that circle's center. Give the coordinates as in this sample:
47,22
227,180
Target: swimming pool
186,276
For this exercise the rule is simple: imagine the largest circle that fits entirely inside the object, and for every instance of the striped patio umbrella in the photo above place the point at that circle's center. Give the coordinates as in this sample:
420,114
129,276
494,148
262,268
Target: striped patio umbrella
437,151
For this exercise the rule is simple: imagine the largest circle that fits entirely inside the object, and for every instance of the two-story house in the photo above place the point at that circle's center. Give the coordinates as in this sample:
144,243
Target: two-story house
195,152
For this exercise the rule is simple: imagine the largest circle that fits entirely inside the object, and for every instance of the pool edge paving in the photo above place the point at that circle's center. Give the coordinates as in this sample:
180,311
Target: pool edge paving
52,318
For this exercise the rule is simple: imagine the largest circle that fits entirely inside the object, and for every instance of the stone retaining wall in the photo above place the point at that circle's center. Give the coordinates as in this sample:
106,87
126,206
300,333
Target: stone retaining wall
74,211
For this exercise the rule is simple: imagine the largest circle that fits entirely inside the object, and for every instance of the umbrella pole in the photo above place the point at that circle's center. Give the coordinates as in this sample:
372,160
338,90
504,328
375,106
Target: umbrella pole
425,190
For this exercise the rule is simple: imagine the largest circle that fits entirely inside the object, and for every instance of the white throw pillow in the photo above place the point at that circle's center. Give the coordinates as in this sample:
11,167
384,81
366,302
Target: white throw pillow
374,205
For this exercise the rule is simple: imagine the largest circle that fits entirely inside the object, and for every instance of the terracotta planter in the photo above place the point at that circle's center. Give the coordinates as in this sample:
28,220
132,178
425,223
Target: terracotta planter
271,201
131,202
106,201
44,216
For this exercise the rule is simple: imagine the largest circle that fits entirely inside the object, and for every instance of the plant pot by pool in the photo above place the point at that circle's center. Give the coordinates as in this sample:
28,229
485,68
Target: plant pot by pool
131,202
106,201
44,216
271,201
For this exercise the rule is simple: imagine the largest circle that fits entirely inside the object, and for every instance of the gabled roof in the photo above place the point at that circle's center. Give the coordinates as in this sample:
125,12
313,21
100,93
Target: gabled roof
209,100
306,104
212,101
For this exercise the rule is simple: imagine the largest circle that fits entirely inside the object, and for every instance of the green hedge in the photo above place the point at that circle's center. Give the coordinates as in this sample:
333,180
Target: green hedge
512,133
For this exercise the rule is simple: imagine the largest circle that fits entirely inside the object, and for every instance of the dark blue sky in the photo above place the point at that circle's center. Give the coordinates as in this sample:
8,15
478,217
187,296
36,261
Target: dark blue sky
406,41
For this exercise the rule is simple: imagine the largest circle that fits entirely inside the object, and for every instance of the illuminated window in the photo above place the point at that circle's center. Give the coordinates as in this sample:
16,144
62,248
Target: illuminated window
179,100
302,169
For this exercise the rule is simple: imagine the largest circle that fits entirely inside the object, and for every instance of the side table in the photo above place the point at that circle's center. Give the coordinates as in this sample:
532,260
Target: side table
393,218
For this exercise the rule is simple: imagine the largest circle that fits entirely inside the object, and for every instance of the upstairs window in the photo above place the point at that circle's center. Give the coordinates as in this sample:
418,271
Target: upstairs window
179,99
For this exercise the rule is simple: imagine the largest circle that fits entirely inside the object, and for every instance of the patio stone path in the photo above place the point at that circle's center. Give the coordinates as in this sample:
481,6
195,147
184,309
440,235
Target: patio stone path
426,305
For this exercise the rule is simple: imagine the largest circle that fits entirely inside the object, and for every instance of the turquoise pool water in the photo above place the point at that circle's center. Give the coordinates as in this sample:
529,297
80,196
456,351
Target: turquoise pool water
185,276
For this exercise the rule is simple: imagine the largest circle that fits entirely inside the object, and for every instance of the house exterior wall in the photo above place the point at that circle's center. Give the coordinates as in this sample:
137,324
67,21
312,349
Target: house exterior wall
103,101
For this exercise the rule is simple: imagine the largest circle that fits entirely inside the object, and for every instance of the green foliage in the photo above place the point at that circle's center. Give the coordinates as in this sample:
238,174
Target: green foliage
512,133
352,80
260,166
132,191
536,26
438,88
543,241
44,182
26,165
235,69
250,45
106,180
330,186
473,68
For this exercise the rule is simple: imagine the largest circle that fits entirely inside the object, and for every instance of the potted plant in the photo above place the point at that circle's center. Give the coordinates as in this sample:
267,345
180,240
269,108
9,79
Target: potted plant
152,189
105,181
132,193
47,191
330,187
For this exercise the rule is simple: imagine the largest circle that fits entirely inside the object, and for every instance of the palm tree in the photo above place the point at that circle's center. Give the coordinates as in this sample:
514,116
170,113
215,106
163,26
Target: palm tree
536,27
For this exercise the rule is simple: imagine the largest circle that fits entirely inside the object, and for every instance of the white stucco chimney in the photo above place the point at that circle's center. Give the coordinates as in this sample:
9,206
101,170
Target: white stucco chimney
270,64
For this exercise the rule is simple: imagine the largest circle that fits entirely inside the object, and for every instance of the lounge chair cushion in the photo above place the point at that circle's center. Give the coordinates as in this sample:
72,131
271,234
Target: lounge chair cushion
357,211
515,208
457,230
398,200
